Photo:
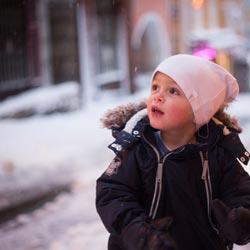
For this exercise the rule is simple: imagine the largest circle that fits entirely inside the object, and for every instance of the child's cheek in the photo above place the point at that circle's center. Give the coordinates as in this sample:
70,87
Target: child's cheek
177,113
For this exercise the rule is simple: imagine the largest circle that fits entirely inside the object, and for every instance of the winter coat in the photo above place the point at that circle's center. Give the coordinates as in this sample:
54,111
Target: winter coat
140,184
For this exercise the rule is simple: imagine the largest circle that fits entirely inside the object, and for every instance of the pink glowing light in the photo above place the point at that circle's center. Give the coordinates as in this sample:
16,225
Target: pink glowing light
207,53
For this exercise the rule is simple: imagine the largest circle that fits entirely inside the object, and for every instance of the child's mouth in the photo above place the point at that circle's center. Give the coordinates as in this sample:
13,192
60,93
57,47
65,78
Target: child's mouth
155,110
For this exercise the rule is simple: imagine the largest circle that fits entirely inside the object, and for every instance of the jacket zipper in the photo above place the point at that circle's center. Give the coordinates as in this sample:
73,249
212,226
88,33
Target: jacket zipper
158,179
207,181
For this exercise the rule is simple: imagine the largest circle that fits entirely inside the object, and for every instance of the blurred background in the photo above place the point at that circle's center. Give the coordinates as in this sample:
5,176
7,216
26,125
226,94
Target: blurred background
63,63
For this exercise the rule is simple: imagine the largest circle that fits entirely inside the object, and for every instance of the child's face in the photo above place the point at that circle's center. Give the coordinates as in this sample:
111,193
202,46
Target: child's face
167,105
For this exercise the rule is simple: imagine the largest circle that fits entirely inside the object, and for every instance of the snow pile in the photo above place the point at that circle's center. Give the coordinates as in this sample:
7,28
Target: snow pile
48,151
42,100
218,38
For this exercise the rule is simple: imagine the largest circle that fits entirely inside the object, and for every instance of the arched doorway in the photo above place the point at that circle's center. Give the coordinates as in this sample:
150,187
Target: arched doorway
150,45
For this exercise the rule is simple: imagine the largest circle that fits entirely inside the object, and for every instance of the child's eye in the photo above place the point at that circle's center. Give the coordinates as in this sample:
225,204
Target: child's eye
174,91
154,87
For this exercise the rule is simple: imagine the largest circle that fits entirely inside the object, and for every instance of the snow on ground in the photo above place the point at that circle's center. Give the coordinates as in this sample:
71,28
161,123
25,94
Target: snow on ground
42,100
67,223
42,143
48,141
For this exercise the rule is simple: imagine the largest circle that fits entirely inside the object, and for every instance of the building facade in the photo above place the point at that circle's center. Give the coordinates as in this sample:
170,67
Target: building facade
111,46
106,46
217,30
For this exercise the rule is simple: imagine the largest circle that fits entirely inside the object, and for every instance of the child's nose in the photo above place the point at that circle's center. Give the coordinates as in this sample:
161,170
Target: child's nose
159,97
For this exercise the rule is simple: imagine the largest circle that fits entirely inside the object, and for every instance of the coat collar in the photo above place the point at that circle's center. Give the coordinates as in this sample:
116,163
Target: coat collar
208,136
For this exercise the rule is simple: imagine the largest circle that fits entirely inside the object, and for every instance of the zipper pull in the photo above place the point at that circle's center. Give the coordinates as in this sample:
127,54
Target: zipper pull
205,169
159,172
204,159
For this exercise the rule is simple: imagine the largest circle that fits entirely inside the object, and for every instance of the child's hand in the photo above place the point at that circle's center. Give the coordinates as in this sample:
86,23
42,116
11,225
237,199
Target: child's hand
149,236
233,223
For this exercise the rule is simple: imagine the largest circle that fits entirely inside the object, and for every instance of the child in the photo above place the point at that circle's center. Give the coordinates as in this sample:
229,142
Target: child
175,182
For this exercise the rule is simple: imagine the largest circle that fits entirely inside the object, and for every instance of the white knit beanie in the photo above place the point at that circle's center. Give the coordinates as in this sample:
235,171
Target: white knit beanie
206,85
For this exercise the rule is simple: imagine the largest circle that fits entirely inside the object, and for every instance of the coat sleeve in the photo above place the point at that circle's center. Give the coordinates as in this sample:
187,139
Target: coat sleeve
118,193
235,195
235,183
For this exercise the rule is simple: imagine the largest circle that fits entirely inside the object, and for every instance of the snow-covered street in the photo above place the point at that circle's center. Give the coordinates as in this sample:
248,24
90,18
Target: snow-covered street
39,148
69,222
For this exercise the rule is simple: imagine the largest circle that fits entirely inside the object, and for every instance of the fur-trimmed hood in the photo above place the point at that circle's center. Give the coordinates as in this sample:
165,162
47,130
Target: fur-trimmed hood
117,118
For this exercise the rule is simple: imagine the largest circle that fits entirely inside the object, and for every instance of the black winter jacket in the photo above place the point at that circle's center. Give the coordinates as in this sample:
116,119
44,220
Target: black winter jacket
125,191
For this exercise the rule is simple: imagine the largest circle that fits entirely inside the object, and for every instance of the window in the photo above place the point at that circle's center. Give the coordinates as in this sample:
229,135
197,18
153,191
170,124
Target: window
13,64
111,57
63,34
150,42
107,21
150,50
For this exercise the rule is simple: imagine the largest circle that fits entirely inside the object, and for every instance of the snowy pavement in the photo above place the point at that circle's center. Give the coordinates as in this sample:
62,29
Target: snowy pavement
67,223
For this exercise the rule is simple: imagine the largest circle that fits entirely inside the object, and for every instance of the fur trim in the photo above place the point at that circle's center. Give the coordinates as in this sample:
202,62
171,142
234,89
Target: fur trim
118,117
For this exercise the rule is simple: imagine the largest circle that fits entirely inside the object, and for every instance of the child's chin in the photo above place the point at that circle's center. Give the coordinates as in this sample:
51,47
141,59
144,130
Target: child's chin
156,125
